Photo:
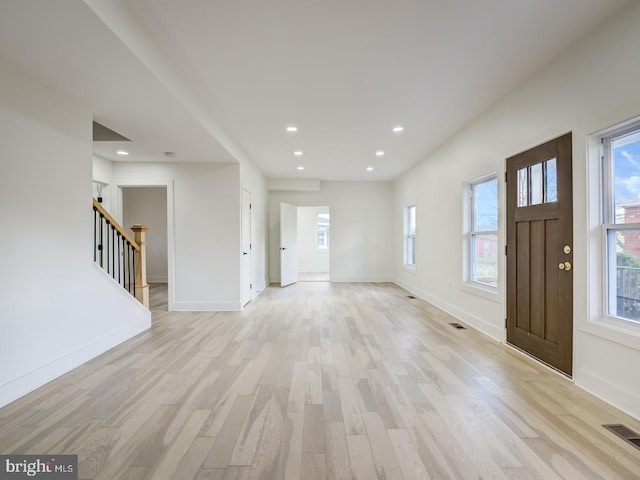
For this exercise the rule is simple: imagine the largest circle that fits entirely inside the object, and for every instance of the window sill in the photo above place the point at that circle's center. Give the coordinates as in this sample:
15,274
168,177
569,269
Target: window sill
490,293
409,268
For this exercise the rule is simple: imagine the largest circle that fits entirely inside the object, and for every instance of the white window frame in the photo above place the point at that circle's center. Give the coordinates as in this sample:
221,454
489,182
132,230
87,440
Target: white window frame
409,237
471,233
608,226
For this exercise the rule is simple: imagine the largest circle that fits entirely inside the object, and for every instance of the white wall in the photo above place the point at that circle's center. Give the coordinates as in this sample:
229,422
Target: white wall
198,192
203,230
590,87
361,237
311,259
148,206
254,181
111,193
57,310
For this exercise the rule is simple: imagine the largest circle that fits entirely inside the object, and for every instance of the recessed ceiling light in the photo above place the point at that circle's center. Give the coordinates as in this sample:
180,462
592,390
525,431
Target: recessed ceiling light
398,129
369,169
379,153
300,167
122,152
292,128
298,153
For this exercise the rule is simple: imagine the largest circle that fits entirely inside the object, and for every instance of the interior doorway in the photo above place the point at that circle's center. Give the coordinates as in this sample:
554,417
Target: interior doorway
148,206
314,243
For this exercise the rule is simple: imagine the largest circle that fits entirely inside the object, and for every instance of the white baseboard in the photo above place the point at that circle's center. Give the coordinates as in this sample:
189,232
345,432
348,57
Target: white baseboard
28,382
470,319
596,385
207,306
158,279
339,279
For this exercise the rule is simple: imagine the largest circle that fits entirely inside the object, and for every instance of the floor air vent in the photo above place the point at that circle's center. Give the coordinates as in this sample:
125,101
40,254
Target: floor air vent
458,326
411,297
625,433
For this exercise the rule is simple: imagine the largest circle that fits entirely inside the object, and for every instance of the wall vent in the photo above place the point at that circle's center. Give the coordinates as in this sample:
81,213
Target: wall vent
458,326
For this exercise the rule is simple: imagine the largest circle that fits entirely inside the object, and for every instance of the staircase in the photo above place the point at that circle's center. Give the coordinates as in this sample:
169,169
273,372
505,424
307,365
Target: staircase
119,254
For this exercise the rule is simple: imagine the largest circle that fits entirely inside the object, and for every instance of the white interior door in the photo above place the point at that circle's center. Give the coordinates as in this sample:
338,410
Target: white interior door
246,247
288,244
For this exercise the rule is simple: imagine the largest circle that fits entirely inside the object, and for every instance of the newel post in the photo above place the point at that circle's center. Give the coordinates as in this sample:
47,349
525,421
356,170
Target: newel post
142,287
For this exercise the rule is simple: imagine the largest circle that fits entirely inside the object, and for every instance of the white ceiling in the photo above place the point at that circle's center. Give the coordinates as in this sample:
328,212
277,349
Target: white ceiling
220,81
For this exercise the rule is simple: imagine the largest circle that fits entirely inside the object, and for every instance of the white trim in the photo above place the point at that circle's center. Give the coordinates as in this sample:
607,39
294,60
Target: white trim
28,382
470,319
360,279
484,291
207,306
620,399
158,279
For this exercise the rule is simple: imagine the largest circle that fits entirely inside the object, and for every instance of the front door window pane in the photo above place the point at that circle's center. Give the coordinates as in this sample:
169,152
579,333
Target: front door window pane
550,181
523,188
535,184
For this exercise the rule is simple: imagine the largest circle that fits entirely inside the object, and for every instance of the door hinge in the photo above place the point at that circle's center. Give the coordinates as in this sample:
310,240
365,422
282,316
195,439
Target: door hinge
250,286
505,249
250,246
505,176
250,206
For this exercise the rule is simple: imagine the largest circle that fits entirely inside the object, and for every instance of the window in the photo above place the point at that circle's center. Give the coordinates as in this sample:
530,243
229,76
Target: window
620,154
323,230
538,183
410,236
482,231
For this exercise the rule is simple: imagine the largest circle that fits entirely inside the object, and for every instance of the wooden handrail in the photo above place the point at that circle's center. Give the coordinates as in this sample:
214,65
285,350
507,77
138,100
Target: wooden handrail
103,212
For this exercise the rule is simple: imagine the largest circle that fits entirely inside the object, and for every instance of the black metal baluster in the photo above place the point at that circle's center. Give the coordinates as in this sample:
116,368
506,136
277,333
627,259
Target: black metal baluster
129,265
134,271
101,246
119,260
108,248
113,251
95,234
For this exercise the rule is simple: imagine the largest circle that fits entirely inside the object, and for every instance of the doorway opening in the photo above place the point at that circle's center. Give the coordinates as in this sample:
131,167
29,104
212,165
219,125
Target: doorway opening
148,206
314,243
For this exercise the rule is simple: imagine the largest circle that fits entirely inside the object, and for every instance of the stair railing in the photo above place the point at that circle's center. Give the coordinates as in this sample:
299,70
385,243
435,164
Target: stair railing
122,256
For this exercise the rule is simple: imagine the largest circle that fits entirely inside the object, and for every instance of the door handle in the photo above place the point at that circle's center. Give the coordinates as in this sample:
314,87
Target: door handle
565,266
245,253
283,248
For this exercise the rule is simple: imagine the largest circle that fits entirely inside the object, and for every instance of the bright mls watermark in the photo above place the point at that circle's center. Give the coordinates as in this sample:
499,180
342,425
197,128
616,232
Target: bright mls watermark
51,467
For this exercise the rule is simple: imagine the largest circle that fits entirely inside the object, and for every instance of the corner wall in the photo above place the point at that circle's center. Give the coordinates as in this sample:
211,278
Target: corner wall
57,310
590,87
203,230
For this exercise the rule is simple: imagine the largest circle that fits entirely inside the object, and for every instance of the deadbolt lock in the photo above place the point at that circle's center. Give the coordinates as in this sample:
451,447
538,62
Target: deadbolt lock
567,249
565,266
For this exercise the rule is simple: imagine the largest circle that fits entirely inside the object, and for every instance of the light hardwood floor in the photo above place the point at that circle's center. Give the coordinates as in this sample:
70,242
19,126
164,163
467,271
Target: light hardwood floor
315,381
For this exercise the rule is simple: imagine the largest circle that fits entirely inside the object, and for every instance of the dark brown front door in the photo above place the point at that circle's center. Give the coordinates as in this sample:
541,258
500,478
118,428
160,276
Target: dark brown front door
540,253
